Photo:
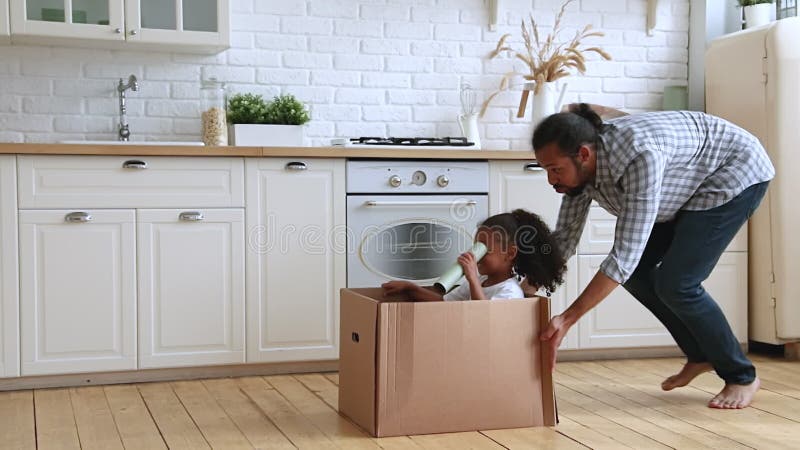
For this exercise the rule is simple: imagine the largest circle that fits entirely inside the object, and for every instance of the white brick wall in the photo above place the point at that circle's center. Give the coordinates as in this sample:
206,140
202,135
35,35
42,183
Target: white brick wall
365,67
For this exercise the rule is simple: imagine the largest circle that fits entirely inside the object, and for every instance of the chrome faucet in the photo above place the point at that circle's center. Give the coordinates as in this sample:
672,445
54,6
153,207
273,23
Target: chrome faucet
123,131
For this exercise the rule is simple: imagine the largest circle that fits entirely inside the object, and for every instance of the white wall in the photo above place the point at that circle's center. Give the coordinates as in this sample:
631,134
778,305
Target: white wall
368,67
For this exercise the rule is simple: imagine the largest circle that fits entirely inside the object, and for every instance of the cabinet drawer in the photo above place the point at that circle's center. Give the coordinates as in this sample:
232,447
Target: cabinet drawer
130,182
598,234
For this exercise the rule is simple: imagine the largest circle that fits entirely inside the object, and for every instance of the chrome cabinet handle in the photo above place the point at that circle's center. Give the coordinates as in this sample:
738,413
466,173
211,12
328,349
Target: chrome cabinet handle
78,217
533,167
134,164
297,166
373,203
134,32
191,216
118,30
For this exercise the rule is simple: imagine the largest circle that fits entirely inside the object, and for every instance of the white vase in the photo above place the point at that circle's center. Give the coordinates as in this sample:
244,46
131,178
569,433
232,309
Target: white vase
757,15
249,135
547,101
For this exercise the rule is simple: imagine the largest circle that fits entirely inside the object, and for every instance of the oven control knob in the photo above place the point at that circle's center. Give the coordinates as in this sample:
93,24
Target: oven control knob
442,181
394,181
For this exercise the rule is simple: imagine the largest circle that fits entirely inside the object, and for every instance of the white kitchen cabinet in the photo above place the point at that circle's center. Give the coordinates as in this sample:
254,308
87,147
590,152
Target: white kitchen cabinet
523,184
621,321
9,278
54,181
296,258
191,287
77,291
87,19
182,22
202,25
598,234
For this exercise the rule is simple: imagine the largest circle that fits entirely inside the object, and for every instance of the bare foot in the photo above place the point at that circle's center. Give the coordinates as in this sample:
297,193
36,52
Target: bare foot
686,375
735,396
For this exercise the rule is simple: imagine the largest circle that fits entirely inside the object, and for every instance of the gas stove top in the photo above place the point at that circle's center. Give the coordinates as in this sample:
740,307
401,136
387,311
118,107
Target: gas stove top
454,143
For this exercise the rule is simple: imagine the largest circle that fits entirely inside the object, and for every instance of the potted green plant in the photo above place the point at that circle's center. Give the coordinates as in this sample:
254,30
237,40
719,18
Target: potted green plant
756,12
256,122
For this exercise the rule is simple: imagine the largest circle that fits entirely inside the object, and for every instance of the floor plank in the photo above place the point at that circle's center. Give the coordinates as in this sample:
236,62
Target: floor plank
292,423
134,423
456,441
316,382
55,421
689,404
96,427
177,428
334,377
337,428
216,426
603,404
533,438
328,392
604,419
18,426
256,427
765,400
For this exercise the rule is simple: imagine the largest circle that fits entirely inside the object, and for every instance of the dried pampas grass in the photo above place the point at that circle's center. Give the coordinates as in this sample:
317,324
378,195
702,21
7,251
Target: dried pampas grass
545,59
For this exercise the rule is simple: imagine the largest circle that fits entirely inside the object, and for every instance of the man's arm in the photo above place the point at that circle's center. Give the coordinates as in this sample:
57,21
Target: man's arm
571,220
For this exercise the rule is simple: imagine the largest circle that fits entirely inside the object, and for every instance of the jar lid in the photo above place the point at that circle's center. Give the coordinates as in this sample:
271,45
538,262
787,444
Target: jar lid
212,83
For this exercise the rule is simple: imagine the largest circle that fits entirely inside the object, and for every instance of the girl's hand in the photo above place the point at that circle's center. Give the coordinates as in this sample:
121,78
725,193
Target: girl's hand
470,266
397,287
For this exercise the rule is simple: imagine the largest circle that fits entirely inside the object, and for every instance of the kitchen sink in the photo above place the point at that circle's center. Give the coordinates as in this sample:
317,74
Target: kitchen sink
133,143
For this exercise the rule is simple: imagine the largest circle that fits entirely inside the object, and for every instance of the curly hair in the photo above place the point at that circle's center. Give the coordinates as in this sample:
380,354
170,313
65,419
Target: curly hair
538,259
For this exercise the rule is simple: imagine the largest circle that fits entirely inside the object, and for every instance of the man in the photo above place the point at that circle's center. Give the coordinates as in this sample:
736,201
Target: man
681,185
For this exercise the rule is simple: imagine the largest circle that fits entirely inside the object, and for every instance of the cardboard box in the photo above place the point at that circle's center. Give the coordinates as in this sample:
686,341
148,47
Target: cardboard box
410,368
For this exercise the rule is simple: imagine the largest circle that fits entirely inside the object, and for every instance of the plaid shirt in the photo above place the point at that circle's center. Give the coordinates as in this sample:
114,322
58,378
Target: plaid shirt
650,166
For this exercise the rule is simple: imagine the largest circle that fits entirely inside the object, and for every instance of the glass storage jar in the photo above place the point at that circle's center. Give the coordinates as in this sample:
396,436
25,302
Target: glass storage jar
212,97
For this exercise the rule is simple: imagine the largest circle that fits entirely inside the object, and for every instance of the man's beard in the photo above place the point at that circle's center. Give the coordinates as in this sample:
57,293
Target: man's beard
577,190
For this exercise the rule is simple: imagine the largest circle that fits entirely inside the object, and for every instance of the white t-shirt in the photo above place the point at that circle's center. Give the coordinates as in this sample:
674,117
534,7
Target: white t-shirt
509,288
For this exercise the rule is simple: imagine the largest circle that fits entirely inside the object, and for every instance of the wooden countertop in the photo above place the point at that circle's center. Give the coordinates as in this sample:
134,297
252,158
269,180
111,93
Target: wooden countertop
287,152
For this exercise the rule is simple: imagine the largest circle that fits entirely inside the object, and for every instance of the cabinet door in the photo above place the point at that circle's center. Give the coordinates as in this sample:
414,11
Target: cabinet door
295,258
191,287
523,184
618,321
9,278
77,291
192,22
81,19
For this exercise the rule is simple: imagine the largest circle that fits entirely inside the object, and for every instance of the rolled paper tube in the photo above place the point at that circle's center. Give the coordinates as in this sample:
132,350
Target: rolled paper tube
449,278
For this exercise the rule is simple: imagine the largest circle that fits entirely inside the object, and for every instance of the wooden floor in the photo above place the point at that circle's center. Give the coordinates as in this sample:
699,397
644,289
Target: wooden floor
608,404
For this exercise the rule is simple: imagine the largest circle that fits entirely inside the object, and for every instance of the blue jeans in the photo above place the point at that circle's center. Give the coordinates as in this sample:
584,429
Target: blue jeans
679,256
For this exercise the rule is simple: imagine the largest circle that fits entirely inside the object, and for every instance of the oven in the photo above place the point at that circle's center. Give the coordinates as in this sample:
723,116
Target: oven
409,220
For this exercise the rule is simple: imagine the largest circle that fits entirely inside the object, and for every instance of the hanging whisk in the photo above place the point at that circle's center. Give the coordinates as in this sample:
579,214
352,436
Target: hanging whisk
468,99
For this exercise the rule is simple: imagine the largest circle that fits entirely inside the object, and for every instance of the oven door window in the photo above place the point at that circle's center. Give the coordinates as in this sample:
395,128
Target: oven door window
415,250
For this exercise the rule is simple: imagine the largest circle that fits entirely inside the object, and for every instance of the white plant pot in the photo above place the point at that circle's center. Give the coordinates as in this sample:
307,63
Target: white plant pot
248,135
757,15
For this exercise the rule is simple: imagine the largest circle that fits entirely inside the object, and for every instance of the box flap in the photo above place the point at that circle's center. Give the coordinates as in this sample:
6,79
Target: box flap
357,343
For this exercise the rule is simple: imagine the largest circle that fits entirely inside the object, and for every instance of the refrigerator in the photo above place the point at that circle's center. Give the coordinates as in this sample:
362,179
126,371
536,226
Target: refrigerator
753,80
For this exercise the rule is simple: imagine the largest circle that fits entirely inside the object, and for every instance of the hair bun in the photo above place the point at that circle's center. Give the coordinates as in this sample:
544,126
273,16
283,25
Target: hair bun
586,111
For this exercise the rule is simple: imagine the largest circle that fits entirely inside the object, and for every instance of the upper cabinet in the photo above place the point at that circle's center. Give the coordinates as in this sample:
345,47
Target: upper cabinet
181,22
87,19
193,25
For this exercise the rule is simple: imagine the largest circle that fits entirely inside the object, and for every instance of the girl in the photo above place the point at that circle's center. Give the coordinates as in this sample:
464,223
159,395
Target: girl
519,244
